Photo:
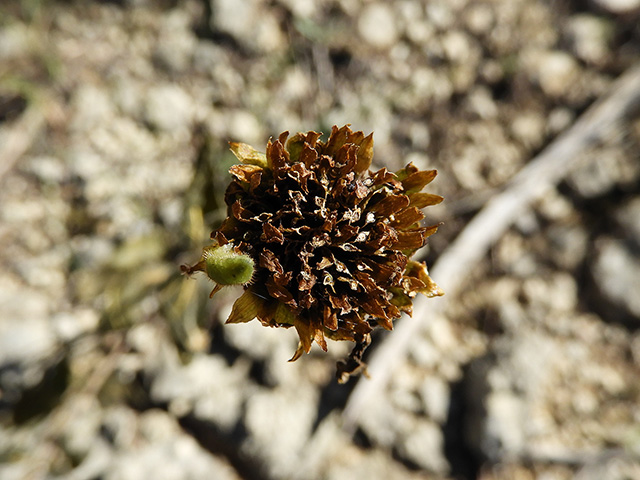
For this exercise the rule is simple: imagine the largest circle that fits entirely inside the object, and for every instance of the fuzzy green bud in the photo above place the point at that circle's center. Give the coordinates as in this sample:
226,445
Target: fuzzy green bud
226,267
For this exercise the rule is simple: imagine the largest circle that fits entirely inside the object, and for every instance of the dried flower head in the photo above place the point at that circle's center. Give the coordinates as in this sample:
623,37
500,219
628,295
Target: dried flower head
319,242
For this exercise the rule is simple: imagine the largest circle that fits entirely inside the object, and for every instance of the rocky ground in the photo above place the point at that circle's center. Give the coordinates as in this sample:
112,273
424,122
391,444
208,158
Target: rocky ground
114,123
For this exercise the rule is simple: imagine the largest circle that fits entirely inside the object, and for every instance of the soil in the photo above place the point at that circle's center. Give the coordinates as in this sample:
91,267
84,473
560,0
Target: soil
115,118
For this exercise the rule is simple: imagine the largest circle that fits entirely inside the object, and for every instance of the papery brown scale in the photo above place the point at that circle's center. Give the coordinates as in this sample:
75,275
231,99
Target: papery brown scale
306,300
337,139
330,318
390,205
346,157
381,235
371,287
254,181
361,191
240,213
269,261
398,260
318,333
306,280
406,218
282,138
219,237
339,302
244,173
346,232
301,175
411,240
324,263
308,156
385,322
296,143
381,177
431,230
277,157
280,293
381,272
271,234
421,200
418,180
306,332
392,311
364,154
412,284
373,307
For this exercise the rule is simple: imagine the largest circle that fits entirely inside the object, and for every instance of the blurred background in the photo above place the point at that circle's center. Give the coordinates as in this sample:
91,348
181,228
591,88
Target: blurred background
114,123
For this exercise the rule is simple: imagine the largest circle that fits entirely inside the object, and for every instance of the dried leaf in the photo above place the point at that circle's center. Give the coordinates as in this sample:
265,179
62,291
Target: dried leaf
248,155
245,308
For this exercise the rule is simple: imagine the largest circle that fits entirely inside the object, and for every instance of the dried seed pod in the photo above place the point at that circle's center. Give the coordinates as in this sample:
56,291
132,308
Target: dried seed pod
326,242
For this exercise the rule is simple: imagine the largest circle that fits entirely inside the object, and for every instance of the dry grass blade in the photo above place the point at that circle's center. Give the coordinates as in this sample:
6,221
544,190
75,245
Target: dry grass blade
540,174
16,139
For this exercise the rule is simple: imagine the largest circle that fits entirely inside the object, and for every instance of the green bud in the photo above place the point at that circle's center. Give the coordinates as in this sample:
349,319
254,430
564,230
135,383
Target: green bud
226,267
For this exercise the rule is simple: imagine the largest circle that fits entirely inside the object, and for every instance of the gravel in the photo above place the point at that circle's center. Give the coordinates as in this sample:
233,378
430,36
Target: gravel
113,365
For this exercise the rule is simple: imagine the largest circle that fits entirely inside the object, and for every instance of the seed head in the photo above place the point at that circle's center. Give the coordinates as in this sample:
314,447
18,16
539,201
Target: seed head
320,242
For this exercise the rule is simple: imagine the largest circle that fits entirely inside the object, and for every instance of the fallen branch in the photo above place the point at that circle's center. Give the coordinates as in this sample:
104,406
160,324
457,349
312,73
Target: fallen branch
489,225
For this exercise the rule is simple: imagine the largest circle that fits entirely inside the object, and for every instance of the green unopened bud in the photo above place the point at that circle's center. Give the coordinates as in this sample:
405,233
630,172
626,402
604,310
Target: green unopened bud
226,267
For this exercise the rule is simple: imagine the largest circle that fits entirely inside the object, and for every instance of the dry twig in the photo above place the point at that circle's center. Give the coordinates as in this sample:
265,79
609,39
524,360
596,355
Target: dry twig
542,173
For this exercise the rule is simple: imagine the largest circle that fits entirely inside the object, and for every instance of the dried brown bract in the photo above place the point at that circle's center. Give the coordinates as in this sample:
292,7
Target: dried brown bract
331,241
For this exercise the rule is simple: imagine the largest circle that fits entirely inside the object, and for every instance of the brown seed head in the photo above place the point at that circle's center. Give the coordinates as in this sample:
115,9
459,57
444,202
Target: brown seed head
331,241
